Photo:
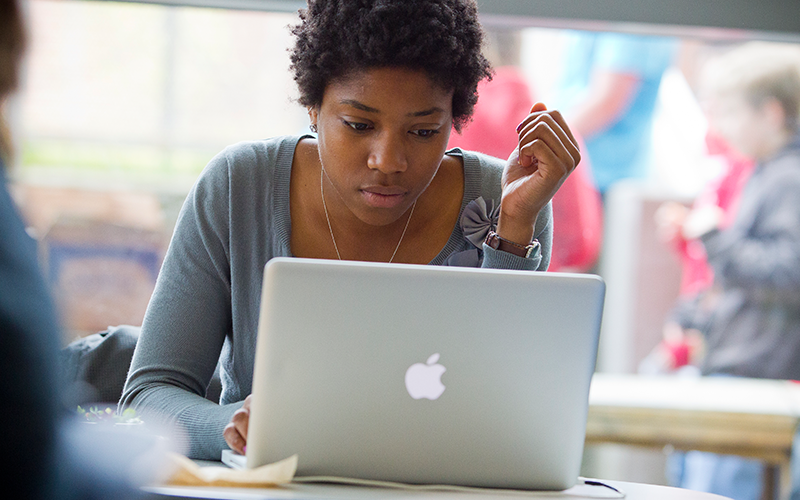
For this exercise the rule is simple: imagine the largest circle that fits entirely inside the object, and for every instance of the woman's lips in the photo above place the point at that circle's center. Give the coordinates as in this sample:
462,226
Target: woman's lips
383,197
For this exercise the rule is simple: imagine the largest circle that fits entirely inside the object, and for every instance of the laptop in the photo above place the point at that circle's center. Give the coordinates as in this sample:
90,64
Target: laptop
424,374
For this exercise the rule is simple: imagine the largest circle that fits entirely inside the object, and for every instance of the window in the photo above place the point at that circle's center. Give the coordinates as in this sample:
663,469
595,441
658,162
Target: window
121,107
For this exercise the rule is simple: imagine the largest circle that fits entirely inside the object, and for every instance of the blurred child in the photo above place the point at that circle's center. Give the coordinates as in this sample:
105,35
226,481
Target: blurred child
752,99
682,347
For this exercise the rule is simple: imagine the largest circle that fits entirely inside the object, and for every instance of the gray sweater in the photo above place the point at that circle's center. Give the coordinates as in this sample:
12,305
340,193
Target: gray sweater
206,301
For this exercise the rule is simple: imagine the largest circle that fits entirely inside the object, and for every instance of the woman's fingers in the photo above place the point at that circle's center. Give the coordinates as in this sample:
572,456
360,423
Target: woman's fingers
539,106
235,433
234,439
546,155
562,123
550,128
542,134
538,110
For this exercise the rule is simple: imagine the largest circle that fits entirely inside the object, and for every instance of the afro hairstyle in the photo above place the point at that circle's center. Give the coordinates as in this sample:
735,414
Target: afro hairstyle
439,37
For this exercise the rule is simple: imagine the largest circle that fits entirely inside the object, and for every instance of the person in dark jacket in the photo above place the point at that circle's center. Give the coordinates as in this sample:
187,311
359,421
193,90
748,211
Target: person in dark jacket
50,455
753,330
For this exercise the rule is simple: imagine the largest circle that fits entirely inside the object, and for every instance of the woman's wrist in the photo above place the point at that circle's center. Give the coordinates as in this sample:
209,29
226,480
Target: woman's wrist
519,233
493,240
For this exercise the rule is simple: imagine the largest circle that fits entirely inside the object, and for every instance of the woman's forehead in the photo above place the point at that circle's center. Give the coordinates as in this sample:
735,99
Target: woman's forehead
389,86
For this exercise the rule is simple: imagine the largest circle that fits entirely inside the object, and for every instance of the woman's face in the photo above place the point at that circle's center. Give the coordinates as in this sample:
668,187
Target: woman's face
382,136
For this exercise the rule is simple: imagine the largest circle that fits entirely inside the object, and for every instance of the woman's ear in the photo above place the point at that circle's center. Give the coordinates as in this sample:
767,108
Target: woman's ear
313,116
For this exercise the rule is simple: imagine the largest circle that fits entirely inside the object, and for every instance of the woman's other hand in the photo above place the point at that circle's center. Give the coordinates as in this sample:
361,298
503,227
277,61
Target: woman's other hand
235,432
547,153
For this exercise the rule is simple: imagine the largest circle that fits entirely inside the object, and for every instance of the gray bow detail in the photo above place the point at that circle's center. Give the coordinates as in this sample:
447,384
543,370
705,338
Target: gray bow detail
478,219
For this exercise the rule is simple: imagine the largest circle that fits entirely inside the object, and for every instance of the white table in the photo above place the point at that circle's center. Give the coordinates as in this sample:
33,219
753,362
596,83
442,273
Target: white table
746,417
632,491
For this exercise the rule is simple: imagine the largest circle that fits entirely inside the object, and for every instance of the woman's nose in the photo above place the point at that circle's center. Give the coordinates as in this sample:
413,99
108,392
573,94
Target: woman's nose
387,155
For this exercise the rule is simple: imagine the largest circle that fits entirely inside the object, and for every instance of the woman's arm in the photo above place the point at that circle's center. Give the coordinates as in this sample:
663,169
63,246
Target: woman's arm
547,153
186,323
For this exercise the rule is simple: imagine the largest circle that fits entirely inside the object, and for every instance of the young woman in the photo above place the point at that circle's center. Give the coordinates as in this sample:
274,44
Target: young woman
383,81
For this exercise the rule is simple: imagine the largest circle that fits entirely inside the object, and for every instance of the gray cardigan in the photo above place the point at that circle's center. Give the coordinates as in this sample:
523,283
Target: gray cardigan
754,330
206,300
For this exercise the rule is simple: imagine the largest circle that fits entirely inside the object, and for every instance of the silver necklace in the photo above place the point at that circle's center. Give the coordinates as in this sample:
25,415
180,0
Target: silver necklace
327,218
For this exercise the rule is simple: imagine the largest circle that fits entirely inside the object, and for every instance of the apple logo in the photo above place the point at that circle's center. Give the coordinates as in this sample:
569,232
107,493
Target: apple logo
424,380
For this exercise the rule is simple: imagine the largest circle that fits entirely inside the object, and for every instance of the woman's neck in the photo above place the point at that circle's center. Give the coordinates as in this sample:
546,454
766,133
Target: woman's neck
421,235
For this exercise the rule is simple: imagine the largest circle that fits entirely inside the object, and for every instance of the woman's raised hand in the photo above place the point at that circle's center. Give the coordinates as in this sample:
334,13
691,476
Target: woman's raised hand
546,155
235,432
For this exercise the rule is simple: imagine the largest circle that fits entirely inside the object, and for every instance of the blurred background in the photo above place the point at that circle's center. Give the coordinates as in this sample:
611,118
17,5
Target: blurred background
123,104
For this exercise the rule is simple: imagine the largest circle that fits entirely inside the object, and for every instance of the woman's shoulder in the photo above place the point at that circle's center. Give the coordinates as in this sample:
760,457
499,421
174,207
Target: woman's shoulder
243,170
483,160
267,153
483,172
249,162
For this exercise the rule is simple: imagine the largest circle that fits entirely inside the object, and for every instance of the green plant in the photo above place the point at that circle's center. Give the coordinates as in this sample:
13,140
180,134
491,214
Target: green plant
107,414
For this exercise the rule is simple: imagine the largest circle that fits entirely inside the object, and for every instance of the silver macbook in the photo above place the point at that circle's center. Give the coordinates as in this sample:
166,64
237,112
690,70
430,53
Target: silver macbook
424,374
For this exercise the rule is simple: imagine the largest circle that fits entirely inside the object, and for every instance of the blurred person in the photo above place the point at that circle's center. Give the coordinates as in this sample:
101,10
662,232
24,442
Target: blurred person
752,99
682,345
503,103
609,90
795,467
50,454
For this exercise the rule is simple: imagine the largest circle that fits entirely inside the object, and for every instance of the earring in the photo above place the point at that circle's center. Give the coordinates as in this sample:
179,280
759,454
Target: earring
313,127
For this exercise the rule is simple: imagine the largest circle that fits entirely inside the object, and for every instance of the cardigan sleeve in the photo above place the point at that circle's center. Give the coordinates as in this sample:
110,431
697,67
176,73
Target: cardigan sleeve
187,321
491,172
538,261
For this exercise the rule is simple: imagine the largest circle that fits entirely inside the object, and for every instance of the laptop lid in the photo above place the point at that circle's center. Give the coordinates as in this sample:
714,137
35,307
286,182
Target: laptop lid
424,374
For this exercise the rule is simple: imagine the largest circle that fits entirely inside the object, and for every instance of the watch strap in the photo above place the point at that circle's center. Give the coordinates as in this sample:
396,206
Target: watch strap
495,241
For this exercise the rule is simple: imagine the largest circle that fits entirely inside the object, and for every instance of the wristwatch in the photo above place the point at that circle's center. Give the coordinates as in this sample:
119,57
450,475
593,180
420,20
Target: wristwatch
495,241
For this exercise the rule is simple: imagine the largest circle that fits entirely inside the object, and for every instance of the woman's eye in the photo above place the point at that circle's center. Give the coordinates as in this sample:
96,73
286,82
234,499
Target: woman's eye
358,126
425,133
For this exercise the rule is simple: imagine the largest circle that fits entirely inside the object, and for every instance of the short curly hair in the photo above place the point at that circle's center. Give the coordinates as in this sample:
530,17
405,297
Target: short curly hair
440,37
